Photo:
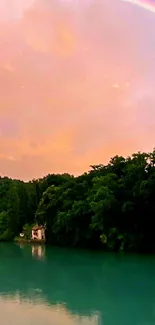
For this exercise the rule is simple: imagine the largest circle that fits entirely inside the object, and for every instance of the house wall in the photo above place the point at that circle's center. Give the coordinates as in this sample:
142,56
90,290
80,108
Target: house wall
34,235
40,234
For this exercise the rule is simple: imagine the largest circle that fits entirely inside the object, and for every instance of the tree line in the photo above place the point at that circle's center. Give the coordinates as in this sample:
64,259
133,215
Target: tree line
111,207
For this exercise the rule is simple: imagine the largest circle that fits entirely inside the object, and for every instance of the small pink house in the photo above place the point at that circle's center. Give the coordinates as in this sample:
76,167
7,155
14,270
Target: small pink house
38,233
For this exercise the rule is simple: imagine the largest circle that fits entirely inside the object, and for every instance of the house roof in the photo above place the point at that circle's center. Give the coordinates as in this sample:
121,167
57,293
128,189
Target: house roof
36,227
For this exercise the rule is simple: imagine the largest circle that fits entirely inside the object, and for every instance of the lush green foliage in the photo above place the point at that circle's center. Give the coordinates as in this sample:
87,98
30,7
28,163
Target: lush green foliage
110,207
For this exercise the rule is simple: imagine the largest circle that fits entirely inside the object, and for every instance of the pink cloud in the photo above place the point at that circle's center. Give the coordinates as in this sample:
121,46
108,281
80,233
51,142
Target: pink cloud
76,85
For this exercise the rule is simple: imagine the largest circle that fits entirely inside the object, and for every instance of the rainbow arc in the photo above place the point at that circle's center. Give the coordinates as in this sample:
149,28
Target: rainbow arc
145,4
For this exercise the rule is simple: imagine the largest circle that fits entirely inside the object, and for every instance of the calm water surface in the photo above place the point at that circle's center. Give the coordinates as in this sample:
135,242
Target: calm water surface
52,286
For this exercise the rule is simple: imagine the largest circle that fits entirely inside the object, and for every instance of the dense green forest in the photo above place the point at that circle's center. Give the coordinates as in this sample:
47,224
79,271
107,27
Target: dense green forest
110,207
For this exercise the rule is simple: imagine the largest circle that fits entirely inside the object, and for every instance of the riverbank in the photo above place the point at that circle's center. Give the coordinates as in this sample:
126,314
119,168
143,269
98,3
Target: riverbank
29,241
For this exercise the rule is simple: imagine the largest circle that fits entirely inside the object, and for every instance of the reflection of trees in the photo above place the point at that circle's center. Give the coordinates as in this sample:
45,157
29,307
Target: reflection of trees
85,281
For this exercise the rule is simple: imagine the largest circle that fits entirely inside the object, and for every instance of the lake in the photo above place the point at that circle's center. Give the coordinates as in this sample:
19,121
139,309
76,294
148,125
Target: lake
54,286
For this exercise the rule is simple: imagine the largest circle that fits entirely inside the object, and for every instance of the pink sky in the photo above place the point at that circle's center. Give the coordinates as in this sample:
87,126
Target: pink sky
77,84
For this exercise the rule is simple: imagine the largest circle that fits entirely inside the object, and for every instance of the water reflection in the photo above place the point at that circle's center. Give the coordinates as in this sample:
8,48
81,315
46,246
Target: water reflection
17,310
76,287
38,251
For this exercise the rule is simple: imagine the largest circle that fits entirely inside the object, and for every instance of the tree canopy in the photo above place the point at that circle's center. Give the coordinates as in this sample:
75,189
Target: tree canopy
110,207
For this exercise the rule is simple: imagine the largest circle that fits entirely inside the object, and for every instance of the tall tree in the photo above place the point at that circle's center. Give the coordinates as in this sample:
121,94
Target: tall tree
13,211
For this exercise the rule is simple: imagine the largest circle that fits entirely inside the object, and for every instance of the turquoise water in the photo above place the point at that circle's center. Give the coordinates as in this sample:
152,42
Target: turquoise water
53,286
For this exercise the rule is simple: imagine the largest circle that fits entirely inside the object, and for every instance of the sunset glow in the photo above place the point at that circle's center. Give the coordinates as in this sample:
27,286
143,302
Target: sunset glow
76,83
